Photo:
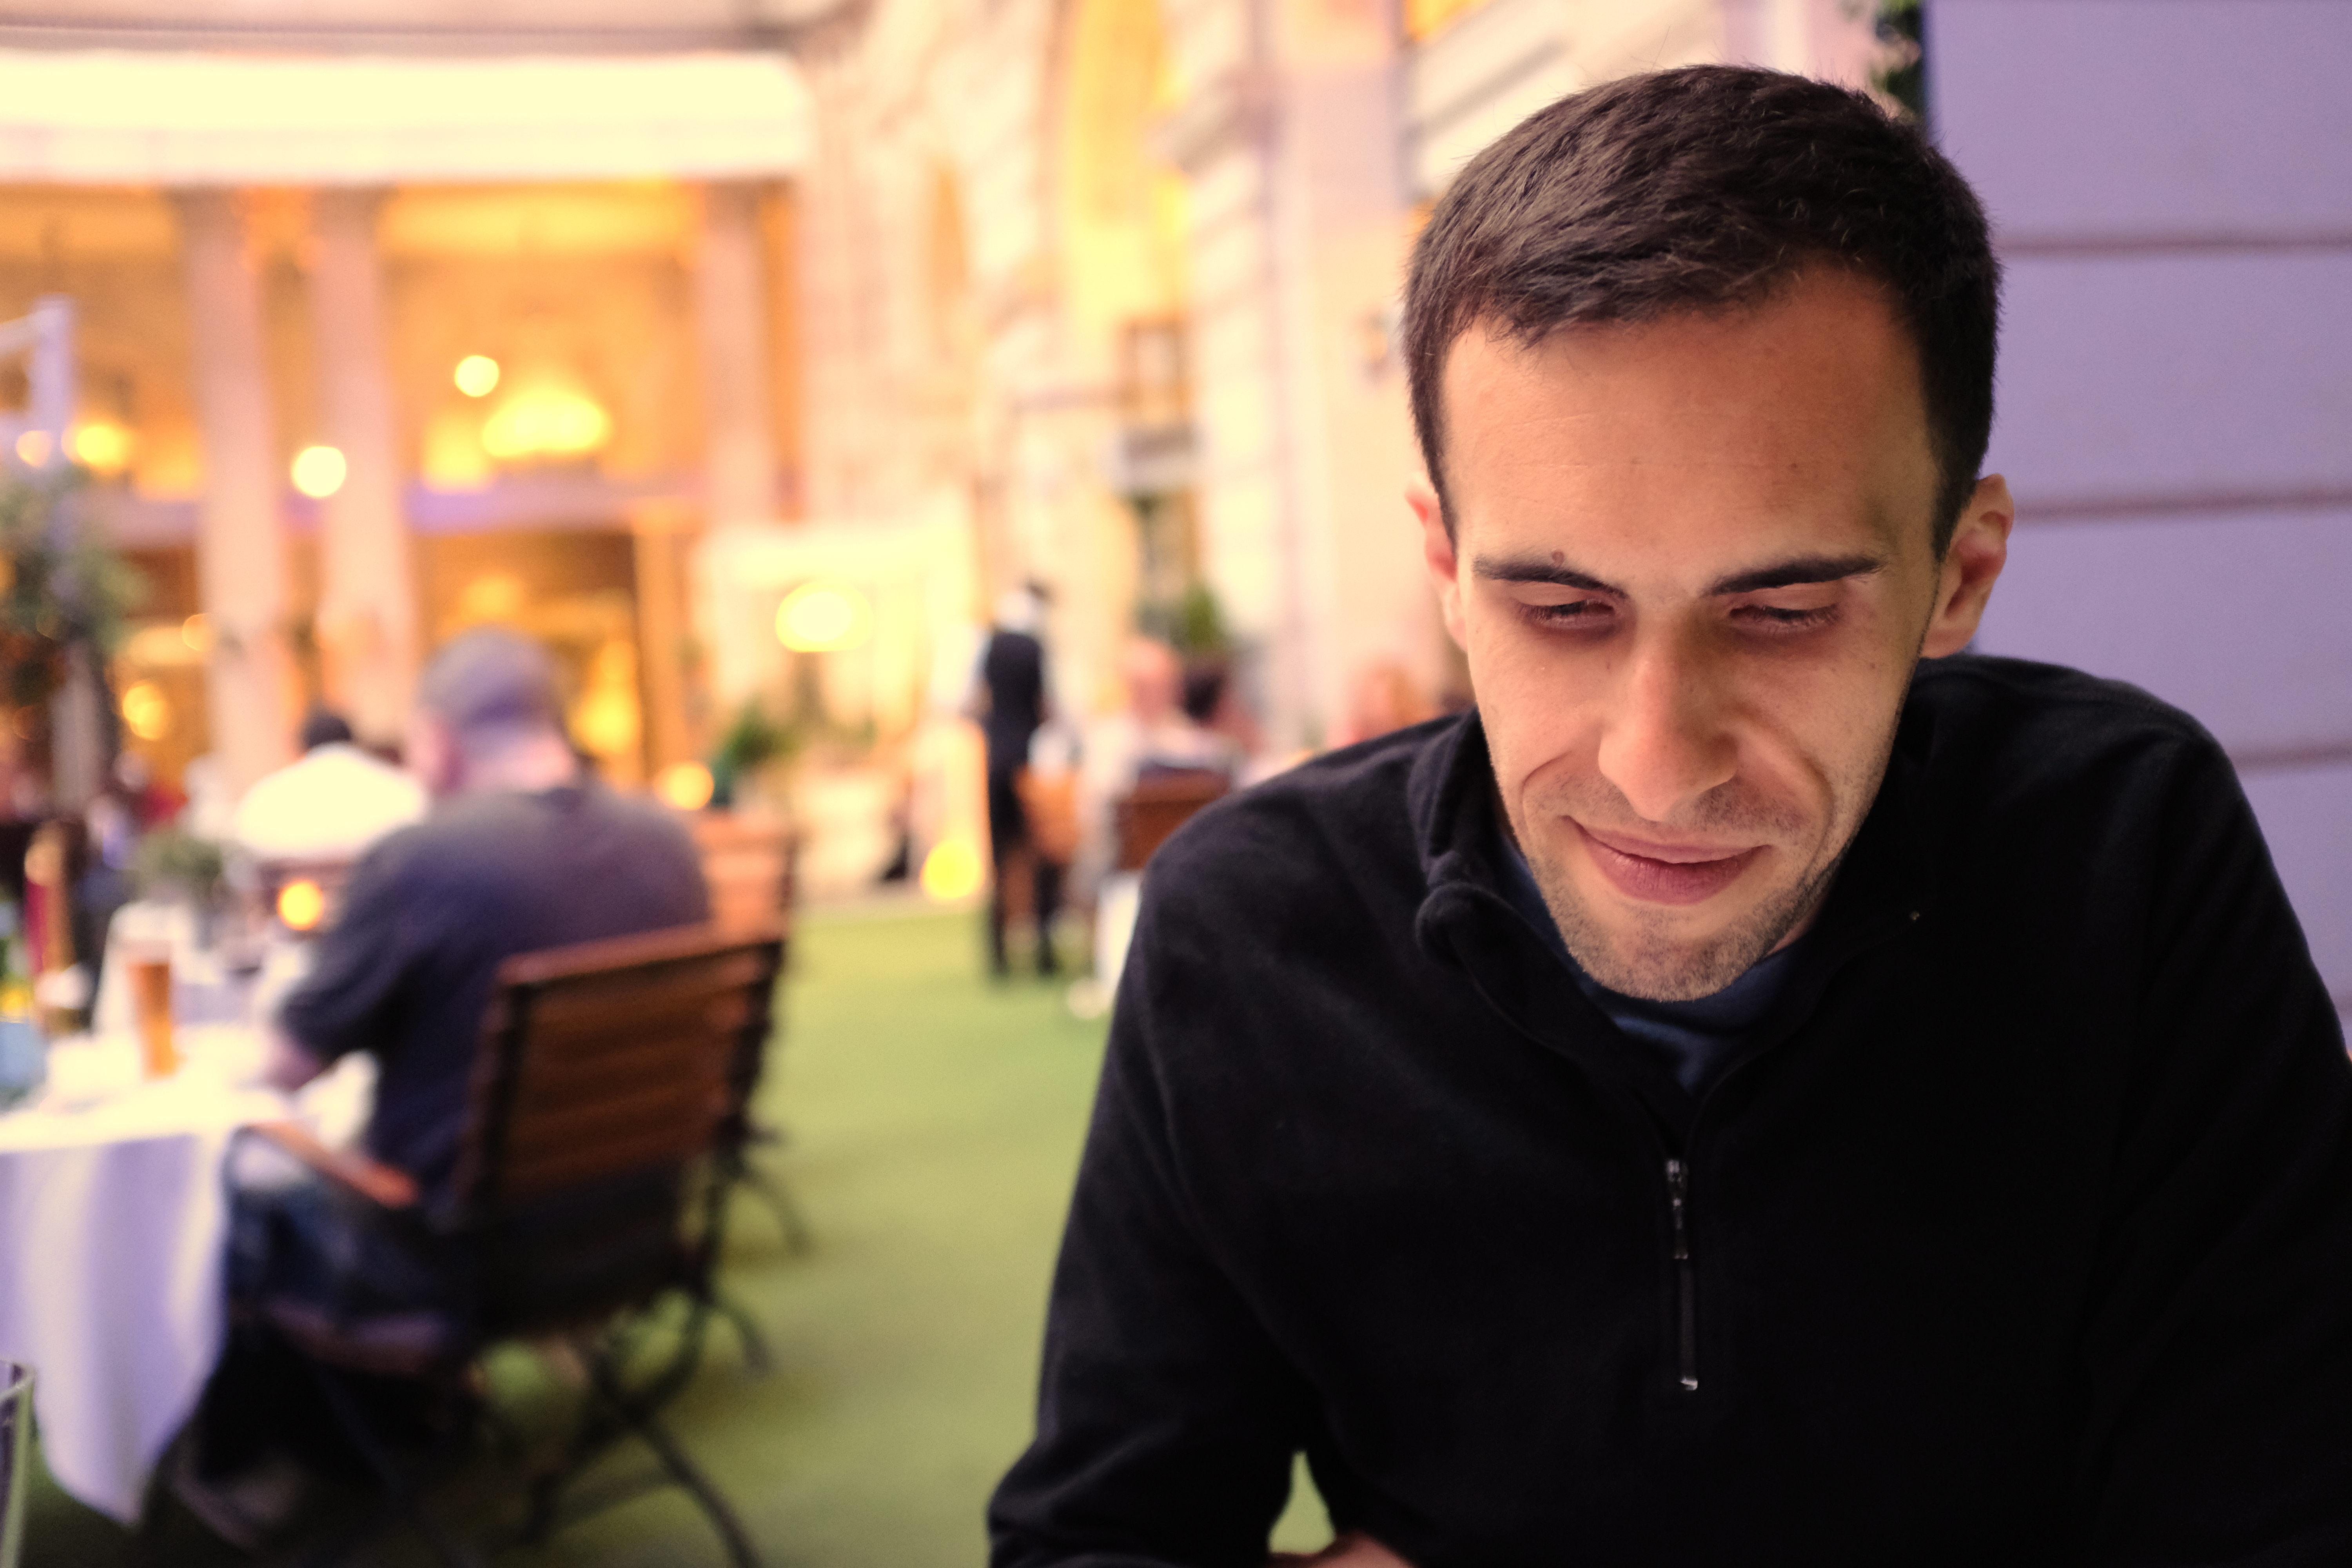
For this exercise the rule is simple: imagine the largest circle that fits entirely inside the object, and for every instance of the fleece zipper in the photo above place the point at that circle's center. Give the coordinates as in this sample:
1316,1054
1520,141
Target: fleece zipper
1686,1287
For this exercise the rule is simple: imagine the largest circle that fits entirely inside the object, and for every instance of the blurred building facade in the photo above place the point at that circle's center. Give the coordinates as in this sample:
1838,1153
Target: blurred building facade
1130,267
627,323
373,346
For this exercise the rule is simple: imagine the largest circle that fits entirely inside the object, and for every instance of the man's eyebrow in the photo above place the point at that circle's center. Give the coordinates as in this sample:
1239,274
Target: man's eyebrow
1803,570
1534,569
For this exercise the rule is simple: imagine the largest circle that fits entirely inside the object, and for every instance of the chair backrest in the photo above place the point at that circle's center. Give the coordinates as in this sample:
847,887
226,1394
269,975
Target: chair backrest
605,1072
1161,802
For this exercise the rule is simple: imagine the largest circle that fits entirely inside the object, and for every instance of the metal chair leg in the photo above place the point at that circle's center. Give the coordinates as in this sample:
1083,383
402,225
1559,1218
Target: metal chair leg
682,1470
756,1354
400,1485
772,1191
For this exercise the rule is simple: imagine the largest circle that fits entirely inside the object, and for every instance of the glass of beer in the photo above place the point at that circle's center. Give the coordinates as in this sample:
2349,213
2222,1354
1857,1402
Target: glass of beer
148,967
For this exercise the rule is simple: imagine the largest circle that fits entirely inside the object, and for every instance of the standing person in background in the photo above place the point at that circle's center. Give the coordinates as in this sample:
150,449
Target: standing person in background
1009,699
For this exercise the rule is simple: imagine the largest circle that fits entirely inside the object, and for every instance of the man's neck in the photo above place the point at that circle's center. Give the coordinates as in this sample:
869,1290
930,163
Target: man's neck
527,766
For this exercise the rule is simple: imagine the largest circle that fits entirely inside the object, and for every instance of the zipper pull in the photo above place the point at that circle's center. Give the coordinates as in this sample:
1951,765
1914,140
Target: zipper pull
1678,1193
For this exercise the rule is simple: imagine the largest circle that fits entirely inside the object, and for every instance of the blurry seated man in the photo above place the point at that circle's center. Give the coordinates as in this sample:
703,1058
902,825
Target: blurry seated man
329,804
519,853
1154,733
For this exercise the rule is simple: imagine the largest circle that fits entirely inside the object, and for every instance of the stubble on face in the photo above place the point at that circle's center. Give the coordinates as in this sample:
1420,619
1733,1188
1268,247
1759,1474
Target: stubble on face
1652,952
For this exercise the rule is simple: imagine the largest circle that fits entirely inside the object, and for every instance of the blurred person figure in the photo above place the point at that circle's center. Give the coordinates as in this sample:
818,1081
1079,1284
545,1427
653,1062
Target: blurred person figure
1009,698
521,853
329,804
153,803
1767,1086
1156,732
1383,699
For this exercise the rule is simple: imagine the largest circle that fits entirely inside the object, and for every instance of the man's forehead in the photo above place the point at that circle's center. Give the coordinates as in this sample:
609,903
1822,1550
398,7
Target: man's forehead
1758,426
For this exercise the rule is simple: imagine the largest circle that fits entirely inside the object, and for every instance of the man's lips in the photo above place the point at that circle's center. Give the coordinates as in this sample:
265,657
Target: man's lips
1665,873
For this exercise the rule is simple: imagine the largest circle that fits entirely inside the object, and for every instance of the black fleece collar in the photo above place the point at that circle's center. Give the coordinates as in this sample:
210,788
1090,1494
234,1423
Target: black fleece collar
1882,889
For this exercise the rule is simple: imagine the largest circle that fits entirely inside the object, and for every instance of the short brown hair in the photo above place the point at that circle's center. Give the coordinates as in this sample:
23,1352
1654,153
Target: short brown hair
1709,187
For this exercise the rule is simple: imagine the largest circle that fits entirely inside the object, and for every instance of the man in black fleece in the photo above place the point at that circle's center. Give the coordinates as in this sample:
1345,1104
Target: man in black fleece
1743,1095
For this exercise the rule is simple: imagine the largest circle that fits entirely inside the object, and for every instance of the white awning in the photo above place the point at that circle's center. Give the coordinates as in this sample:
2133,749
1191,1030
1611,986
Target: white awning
120,117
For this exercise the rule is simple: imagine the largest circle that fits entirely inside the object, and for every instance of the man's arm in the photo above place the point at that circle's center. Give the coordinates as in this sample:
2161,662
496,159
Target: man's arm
358,965
289,1066
1167,1420
2219,1360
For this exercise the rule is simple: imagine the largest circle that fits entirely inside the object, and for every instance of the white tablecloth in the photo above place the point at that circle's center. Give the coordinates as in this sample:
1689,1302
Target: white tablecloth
112,1225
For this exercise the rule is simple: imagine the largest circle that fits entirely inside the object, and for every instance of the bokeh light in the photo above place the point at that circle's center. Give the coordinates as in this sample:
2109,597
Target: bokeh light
146,712
952,871
196,631
301,904
824,618
318,471
33,449
685,786
546,423
476,375
101,445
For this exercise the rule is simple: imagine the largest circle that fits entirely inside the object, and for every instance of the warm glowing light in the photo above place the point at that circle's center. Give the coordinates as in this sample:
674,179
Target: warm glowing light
493,596
146,710
824,618
548,422
318,471
952,871
453,458
33,449
685,785
101,445
606,720
196,631
301,904
477,375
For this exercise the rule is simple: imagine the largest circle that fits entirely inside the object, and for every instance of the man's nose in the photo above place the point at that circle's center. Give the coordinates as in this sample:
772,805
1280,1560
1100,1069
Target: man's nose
1664,745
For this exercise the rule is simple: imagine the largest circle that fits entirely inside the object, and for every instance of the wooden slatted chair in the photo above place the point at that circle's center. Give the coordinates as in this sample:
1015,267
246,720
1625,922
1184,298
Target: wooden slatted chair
609,1079
1163,800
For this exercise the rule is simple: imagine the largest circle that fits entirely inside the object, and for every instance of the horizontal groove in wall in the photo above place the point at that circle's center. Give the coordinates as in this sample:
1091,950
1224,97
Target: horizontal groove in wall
2094,245
2283,759
2115,508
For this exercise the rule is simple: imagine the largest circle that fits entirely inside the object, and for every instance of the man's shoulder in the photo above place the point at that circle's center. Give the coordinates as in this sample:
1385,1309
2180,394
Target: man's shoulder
499,828
1338,826
2039,748
2020,710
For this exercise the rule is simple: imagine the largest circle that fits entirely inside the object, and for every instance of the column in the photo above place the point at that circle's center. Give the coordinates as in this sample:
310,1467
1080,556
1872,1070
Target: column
660,536
730,296
240,554
367,606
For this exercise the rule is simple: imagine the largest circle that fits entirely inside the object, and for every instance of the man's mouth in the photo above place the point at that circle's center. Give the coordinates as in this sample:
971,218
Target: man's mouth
1665,873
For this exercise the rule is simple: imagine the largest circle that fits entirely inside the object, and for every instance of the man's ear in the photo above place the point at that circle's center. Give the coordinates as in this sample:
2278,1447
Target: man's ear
1972,564
1437,556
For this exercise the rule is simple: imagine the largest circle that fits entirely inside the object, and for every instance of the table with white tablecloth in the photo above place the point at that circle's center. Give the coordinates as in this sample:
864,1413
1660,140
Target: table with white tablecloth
112,1230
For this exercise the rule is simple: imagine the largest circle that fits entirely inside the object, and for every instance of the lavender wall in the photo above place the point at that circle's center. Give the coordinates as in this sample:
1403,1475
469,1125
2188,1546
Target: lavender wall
2171,186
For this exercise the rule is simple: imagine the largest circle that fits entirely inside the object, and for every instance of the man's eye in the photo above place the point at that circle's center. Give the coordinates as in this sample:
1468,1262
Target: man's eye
1774,618
1574,612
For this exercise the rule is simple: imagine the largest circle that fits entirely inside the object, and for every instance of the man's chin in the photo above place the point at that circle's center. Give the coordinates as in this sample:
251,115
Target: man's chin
1677,954
1655,969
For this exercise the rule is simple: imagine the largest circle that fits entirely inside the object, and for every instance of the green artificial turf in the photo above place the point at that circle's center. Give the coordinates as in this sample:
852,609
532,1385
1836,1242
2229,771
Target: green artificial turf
934,1122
